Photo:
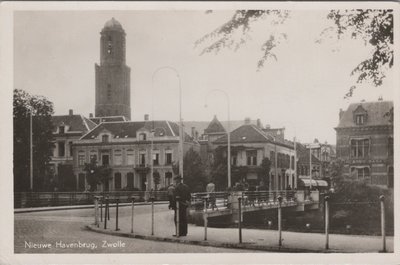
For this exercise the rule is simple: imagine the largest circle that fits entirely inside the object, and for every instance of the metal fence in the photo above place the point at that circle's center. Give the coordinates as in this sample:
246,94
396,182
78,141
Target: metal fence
45,199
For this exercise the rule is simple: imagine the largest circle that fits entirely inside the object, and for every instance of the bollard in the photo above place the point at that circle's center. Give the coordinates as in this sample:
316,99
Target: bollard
205,219
240,219
133,206
105,214
152,216
108,209
280,219
116,216
383,223
96,211
326,222
101,209
177,215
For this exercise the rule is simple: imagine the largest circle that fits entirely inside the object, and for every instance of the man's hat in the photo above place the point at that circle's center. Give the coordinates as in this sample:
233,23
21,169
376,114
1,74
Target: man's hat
178,177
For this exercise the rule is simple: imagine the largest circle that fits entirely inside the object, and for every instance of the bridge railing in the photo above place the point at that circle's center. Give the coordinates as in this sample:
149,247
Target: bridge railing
45,199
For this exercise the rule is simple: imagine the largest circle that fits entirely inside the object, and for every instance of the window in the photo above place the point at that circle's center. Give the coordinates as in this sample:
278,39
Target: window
390,146
117,181
168,178
272,157
117,157
142,159
390,177
129,178
81,158
251,157
130,157
105,160
360,119
361,173
156,158
234,160
105,138
168,157
61,129
360,147
93,155
292,162
61,149
70,149
142,137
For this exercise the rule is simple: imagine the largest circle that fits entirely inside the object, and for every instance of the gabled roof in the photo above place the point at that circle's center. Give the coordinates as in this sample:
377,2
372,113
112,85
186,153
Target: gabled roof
375,110
98,120
128,129
214,127
247,133
304,155
76,123
200,126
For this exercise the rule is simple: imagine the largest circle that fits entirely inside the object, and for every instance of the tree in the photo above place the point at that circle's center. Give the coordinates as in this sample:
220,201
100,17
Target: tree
96,174
375,27
263,172
156,179
41,109
194,171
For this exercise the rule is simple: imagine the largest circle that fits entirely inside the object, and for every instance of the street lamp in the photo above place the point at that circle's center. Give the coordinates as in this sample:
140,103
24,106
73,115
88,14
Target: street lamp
180,114
30,148
151,156
228,130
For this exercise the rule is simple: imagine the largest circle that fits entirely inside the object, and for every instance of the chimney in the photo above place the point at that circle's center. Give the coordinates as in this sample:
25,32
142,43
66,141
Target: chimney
193,133
247,120
259,125
146,117
90,115
340,113
71,112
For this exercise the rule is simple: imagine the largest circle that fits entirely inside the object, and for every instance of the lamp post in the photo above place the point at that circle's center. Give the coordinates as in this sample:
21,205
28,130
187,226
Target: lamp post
152,156
180,114
30,148
228,131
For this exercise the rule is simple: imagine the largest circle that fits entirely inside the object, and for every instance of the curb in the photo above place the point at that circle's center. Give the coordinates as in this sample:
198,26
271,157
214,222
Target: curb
208,243
74,207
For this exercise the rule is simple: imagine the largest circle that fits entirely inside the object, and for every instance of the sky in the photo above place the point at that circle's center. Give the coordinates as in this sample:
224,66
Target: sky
303,90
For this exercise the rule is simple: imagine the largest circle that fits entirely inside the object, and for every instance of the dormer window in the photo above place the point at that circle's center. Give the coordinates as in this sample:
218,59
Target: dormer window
105,138
142,137
360,119
61,129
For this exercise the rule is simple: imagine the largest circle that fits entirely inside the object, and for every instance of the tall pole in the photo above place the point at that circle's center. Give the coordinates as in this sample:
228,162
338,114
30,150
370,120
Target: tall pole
181,132
295,163
228,161
31,149
276,167
310,170
151,161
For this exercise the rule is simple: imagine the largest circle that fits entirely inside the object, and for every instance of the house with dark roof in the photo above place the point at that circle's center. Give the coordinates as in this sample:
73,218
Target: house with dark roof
67,129
250,144
126,148
364,140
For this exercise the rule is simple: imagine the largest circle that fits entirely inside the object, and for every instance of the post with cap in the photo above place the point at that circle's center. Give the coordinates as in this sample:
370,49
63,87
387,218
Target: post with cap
177,215
152,215
133,205
205,218
326,222
116,216
280,220
383,222
240,219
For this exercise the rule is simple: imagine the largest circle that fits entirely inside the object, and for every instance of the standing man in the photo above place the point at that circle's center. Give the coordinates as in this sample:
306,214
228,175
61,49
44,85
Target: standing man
181,191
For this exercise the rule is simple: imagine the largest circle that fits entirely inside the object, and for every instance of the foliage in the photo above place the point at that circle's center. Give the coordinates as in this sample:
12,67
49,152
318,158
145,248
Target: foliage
194,171
42,109
375,27
240,24
263,172
96,174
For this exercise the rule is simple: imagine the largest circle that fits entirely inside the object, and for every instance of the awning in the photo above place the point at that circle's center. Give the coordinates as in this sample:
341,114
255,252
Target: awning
315,182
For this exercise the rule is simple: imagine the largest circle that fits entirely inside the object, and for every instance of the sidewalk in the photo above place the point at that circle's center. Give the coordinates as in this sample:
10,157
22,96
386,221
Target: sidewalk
256,239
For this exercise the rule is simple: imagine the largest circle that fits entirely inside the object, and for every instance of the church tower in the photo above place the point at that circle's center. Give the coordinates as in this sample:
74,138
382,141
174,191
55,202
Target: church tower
112,75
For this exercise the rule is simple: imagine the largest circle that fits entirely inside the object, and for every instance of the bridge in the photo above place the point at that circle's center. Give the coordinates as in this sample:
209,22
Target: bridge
229,204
